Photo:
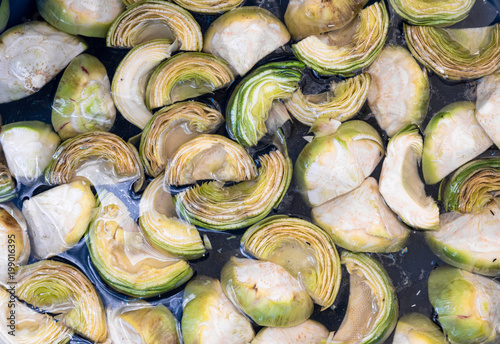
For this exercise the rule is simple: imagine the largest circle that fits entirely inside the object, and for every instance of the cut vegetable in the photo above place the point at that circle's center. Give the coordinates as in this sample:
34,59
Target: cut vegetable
488,106
417,328
436,13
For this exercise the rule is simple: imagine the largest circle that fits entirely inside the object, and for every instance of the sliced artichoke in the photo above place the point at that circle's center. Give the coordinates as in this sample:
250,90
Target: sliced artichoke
209,317
158,219
103,158
123,257
360,221
154,19
399,93
400,183
488,106
185,76
456,54
249,105
209,157
345,51
28,148
31,54
372,311
303,249
86,18
309,332
244,36
170,128
61,289
436,13
214,206
83,99
4,14
266,292
417,328
452,138
27,326
58,218
7,183
333,165
209,6
467,305
139,322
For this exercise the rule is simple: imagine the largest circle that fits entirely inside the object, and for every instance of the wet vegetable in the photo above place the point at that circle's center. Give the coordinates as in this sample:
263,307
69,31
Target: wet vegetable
61,289
360,221
86,18
185,76
244,36
154,19
467,305
399,93
417,328
31,54
170,128
123,257
83,99
435,13
345,51
209,6
4,14
456,54
488,105
342,102
452,138
335,164
303,249
209,317
7,183
266,292
58,218
372,311
28,148
309,332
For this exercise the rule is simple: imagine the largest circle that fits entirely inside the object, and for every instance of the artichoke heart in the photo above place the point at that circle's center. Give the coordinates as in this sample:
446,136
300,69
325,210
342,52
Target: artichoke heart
303,249
452,138
360,221
61,289
456,54
417,328
102,158
345,51
436,13
58,218
207,157
7,183
244,36
399,93
155,19
266,292
309,332
83,99
123,257
249,105
31,54
171,127
335,164
184,76
488,106
164,231
372,311
341,103
214,206
28,326
467,305
209,317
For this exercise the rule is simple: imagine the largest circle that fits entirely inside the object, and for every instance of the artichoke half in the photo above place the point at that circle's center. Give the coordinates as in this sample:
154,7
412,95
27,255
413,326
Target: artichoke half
399,93
124,259
303,249
170,128
456,54
102,158
417,328
436,13
154,19
452,138
61,289
372,311
345,51
184,76
250,103
488,106
266,292
7,183
309,332
467,305
209,6
31,54
341,103
209,317
244,36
